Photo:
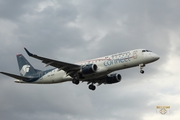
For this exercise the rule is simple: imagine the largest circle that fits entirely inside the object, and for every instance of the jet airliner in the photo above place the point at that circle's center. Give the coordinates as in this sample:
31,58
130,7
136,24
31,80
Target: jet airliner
98,70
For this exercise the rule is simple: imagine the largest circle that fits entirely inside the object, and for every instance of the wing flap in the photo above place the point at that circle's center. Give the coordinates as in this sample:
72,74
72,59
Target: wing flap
99,80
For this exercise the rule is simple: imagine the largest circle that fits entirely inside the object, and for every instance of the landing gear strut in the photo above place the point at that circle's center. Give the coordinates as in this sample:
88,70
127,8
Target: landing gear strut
92,87
141,68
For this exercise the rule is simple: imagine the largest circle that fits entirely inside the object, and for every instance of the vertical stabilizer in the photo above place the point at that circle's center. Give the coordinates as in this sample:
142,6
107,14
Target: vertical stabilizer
25,68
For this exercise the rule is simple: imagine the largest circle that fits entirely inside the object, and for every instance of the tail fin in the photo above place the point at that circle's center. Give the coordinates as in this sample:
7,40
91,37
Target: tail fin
25,68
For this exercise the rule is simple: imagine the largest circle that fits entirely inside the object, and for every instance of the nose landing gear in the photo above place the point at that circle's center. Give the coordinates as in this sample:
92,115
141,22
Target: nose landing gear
141,68
142,71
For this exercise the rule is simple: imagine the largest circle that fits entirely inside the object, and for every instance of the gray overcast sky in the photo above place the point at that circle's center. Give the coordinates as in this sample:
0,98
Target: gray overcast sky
76,30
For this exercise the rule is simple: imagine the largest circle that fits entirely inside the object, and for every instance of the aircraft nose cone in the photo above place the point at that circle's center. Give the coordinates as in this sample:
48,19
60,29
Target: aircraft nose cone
155,56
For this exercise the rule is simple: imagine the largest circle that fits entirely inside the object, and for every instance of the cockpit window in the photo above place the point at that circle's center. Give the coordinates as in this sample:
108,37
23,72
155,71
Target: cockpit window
146,51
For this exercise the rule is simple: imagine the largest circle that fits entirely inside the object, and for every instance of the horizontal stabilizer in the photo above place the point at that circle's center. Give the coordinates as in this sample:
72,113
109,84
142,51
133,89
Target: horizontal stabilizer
16,76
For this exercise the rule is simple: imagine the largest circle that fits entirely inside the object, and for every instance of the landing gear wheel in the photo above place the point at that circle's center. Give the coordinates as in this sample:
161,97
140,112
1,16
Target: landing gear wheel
141,67
142,71
92,87
75,81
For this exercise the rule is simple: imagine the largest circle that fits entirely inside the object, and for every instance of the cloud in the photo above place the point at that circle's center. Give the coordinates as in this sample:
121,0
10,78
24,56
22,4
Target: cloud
77,30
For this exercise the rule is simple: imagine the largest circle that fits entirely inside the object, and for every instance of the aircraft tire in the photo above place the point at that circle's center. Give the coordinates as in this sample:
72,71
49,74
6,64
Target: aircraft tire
75,81
92,87
142,71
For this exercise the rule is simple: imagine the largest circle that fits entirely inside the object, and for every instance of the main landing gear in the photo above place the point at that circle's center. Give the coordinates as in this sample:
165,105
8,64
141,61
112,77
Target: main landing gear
75,81
92,87
141,68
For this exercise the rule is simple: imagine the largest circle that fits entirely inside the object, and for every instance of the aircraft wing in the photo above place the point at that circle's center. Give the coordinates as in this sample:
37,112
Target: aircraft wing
16,76
69,68
99,80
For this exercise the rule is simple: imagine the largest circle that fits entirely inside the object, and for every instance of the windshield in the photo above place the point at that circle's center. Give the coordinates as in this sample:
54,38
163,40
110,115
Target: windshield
146,51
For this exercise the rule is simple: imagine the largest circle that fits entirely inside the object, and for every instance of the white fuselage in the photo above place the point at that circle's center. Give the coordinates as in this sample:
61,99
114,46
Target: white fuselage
105,66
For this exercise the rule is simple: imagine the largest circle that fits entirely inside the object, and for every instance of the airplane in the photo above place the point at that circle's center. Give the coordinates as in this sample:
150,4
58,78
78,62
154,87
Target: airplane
95,71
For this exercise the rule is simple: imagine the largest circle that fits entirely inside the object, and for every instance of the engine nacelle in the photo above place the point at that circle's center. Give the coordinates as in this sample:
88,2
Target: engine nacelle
88,69
113,78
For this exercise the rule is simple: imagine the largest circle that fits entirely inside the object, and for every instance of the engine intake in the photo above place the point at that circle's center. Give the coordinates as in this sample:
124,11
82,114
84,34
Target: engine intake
88,69
113,78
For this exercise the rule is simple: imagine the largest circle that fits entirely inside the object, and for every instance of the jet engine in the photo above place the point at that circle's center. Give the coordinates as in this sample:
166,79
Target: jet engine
88,69
113,78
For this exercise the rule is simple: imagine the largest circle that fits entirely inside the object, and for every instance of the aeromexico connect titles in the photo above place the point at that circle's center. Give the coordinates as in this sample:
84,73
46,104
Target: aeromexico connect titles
98,70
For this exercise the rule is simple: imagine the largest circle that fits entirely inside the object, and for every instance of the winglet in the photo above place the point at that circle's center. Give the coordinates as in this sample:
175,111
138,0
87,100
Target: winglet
30,54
